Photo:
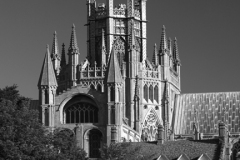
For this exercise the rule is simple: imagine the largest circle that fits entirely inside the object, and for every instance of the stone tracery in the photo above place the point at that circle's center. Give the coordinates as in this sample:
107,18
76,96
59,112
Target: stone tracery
150,125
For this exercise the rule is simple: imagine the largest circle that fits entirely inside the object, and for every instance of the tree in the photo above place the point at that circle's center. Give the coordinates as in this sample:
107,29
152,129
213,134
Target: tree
22,136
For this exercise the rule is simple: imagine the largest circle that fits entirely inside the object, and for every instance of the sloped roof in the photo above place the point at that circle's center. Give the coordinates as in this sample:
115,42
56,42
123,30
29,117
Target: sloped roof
207,110
47,75
113,73
173,150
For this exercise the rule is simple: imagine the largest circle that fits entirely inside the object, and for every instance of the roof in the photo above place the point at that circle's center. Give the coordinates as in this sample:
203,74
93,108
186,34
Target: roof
207,110
47,75
113,73
174,149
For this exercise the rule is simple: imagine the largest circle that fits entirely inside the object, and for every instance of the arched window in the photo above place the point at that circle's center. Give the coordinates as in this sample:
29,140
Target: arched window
145,89
46,117
46,97
112,115
156,93
112,94
151,93
81,113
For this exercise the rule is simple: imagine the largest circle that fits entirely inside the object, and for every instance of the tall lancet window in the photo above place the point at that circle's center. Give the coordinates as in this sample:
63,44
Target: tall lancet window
145,89
156,93
112,94
151,93
46,97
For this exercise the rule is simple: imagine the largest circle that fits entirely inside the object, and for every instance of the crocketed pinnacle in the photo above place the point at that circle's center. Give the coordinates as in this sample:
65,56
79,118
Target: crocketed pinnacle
47,75
176,52
73,41
63,57
163,42
113,73
55,51
155,59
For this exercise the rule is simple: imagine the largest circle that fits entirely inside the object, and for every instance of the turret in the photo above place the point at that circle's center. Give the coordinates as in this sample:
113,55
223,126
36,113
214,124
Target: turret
73,57
114,83
47,86
55,55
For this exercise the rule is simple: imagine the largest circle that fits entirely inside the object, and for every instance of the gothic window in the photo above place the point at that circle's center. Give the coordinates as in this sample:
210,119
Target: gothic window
119,48
95,137
112,94
46,97
156,93
113,115
150,126
46,117
151,93
81,113
145,89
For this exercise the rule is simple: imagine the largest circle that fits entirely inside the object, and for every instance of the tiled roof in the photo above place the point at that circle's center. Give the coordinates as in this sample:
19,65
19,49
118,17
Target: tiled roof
173,150
207,110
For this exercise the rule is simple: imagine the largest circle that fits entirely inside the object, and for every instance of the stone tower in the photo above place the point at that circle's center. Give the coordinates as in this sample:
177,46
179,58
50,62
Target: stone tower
116,94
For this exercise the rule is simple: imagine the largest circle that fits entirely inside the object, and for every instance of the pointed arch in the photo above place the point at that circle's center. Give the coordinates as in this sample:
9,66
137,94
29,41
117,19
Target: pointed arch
112,94
92,86
156,94
151,93
119,48
150,126
145,91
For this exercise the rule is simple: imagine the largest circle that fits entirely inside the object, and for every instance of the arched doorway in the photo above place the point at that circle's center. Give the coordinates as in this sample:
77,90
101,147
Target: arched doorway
93,143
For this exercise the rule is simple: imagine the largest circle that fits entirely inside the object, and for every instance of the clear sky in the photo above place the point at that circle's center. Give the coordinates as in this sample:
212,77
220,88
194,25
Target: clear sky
207,32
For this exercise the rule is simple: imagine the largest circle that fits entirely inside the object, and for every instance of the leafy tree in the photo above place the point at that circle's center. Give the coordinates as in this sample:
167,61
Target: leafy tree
121,151
23,137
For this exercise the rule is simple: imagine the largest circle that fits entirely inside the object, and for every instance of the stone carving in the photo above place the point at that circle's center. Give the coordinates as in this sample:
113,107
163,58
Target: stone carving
150,125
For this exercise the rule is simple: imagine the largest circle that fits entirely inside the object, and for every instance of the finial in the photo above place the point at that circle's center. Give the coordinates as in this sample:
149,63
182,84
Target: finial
73,25
47,46
55,33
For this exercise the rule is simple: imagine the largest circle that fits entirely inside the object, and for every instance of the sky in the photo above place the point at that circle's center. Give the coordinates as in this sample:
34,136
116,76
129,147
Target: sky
207,32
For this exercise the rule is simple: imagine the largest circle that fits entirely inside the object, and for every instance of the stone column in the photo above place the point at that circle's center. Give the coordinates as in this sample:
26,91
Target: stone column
160,134
222,130
78,136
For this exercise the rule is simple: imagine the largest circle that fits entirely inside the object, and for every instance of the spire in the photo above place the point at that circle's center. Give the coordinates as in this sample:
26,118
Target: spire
55,51
175,52
63,57
73,41
47,75
155,55
113,73
163,42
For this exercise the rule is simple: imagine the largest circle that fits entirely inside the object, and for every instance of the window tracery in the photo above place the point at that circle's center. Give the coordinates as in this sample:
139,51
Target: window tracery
81,113
150,126
119,48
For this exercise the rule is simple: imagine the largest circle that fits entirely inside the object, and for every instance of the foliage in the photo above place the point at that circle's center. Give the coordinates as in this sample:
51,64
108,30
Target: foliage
23,137
120,151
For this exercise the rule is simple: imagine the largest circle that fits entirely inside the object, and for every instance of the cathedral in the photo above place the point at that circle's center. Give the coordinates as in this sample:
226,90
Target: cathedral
117,94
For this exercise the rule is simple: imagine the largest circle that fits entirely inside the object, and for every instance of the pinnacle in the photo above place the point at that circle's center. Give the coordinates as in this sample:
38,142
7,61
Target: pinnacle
73,40
163,42
47,76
